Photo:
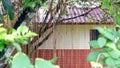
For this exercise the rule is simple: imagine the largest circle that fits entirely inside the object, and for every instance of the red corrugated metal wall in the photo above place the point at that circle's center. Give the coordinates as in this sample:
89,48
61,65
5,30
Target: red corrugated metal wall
67,58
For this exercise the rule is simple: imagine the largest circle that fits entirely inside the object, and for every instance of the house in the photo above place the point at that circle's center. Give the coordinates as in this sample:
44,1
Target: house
71,40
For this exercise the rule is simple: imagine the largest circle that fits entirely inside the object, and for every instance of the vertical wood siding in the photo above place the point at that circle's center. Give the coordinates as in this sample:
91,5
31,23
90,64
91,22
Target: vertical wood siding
67,58
72,46
71,37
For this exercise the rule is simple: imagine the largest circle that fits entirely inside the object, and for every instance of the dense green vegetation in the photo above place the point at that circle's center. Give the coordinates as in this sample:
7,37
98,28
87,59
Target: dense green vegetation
106,49
19,35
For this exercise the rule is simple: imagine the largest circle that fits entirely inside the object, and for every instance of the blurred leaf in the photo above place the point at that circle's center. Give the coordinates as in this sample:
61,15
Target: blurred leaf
93,56
1,46
109,61
30,34
9,38
111,10
22,30
115,54
44,64
3,30
102,61
53,60
17,46
101,41
106,33
8,6
94,44
1,25
105,54
22,41
105,4
111,45
117,19
20,60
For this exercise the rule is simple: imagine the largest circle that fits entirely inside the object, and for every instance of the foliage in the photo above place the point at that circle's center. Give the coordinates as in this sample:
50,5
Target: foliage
20,60
113,8
15,38
8,6
20,36
108,45
32,4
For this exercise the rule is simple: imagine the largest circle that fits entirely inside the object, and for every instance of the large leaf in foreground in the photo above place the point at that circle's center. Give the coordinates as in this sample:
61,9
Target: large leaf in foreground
20,60
41,63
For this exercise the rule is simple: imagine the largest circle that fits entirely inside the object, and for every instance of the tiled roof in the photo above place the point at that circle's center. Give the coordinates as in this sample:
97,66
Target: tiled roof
93,16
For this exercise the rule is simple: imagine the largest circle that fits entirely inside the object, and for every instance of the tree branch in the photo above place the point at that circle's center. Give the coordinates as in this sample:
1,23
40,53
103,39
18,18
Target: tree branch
81,14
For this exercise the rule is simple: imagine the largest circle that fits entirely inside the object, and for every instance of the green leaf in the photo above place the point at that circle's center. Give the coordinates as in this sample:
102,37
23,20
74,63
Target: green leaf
109,61
111,10
40,2
22,30
22,41
8,6
3,30
105,4
1,46
105,54
115,54
94,44
9,38
117,61
30,34
41,63
20,60
102,61
17,46
101,41
111,45
106,33
117,19
93,56
53,60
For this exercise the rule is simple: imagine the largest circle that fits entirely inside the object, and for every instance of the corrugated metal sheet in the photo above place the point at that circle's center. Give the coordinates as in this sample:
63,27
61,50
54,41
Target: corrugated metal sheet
93,16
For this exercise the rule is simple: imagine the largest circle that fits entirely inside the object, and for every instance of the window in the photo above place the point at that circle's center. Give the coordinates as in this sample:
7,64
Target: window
94,34
117,28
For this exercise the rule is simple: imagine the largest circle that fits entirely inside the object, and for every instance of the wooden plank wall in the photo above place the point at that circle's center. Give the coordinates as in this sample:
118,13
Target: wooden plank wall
66,58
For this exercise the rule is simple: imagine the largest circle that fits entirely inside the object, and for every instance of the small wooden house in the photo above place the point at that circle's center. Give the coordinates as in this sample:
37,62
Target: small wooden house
71,40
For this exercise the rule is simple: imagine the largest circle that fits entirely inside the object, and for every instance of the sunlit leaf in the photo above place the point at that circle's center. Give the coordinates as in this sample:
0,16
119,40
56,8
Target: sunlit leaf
111,45
17,46
44,64
20,60
53,60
